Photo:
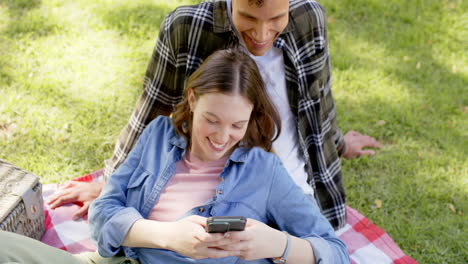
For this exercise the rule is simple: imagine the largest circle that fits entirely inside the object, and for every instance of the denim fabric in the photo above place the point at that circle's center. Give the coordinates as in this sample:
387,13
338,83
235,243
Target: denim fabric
254,184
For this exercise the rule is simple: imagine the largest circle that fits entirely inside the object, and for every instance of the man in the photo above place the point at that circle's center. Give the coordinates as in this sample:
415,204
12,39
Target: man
289,42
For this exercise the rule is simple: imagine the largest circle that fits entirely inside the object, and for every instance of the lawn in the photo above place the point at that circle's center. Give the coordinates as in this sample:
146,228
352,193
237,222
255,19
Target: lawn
71,71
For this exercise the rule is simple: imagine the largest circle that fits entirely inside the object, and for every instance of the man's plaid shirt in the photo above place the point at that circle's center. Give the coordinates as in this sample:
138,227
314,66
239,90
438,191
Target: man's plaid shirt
190,34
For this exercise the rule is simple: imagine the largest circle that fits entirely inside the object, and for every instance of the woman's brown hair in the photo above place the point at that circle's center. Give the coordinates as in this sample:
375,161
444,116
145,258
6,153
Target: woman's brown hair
232,71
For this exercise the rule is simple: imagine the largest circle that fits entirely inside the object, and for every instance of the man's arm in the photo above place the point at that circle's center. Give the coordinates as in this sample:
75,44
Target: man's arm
353,144
158,97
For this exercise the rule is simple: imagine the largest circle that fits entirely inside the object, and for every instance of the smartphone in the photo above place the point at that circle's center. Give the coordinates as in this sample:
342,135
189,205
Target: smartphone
222,224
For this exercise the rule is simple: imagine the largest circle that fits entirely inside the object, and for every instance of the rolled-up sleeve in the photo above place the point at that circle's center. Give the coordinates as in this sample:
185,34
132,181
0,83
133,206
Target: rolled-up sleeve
109,217
326,253
114,231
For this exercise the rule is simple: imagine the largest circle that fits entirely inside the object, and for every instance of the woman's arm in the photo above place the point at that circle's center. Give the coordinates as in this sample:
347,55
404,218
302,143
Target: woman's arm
109,217
293,211
312,238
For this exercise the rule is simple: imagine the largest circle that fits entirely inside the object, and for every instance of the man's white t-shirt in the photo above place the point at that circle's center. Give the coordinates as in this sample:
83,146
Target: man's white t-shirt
271,66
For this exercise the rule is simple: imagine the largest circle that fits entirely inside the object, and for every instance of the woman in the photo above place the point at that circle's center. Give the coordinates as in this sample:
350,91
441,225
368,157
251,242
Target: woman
211,159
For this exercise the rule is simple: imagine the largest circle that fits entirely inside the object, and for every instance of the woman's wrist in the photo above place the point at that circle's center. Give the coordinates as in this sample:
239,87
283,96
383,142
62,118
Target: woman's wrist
280,245
284,255
147,233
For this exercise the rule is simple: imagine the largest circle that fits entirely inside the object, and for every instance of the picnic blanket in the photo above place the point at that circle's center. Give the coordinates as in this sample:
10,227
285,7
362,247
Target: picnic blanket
367,243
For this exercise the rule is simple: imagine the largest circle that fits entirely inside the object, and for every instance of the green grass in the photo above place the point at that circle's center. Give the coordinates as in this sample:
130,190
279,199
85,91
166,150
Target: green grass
71,71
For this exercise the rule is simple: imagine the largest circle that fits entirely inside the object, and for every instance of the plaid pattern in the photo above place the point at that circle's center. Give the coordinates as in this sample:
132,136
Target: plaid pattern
61,231
191,33
366,242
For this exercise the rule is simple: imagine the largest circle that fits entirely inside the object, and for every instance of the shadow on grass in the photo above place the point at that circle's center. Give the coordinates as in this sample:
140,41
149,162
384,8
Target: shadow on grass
20,6
429,147
5,67
435,84
141,21
26,18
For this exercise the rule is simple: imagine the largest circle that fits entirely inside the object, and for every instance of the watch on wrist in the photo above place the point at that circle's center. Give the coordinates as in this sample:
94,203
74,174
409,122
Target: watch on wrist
284,257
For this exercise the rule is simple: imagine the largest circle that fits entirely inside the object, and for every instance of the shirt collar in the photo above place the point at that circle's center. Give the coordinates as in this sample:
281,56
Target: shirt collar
178,141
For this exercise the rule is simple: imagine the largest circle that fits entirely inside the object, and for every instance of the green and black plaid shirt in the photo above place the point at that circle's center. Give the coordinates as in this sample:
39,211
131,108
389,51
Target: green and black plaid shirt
190,34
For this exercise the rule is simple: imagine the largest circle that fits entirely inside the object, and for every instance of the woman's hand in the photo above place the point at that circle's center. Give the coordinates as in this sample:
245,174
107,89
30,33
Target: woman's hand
190,239
186,237
257,241
74,191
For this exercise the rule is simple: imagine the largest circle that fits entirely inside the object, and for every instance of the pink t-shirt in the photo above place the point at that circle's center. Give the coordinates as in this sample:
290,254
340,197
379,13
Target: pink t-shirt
193,183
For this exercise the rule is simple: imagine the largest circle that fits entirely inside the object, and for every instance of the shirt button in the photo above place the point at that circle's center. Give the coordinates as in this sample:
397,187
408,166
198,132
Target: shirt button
201,209
220,191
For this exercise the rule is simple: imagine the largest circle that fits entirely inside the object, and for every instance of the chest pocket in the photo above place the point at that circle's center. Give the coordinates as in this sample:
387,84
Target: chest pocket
139,187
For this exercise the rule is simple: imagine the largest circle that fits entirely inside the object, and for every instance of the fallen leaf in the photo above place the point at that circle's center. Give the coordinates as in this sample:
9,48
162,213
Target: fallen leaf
452,208
406,58
418,65
454,68
7,129
331,19
378,203
429,42
460,212
465,109
381,122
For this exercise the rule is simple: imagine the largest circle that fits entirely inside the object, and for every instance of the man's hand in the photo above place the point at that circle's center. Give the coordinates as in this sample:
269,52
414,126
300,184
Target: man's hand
357,145
74,191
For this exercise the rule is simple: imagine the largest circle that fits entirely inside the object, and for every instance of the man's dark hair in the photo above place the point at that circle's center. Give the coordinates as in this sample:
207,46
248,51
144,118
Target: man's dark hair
259,3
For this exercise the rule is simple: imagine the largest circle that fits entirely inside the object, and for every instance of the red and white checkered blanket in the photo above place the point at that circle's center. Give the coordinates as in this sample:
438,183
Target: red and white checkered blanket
367,243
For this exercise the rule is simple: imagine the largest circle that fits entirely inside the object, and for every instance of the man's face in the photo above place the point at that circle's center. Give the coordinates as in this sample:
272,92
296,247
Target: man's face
259,26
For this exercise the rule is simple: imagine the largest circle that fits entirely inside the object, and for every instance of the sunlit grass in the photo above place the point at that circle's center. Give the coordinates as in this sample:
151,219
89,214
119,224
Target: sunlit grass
71,71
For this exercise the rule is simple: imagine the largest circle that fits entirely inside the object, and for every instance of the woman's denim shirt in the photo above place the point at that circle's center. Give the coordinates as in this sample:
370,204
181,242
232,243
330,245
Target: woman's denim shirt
254,184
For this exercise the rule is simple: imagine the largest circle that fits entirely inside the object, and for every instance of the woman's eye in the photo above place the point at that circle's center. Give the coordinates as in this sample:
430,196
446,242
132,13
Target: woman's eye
211,121
238,126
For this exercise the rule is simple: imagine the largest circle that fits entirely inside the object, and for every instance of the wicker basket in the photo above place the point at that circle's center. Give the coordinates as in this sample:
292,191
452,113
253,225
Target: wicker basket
21,204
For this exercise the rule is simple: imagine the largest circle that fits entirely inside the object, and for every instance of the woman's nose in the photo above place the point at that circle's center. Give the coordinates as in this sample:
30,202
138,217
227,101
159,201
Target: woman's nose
222,136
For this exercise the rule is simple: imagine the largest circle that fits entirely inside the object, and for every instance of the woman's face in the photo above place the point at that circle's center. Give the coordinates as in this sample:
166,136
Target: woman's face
219,123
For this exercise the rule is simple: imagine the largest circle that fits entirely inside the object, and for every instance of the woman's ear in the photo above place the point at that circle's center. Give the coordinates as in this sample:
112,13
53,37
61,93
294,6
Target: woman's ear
191,98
